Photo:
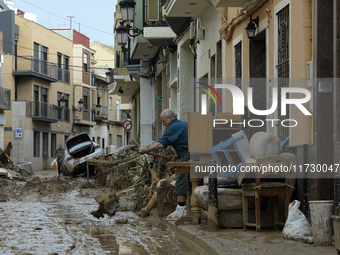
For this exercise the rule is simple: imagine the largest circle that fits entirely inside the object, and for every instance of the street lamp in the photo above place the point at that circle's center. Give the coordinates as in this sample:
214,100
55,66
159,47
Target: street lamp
98,108
109,76
251,27
62,101
127,8
80,105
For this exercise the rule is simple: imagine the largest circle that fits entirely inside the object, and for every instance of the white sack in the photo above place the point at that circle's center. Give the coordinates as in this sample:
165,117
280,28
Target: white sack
296,225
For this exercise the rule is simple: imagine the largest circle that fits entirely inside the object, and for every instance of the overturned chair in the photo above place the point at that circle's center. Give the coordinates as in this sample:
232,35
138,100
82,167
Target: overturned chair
276,170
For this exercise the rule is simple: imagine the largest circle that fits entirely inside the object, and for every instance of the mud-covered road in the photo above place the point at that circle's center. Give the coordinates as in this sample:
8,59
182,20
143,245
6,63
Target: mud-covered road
46,214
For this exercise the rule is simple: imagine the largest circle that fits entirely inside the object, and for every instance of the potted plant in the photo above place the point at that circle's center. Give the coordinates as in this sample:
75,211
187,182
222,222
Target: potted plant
336,226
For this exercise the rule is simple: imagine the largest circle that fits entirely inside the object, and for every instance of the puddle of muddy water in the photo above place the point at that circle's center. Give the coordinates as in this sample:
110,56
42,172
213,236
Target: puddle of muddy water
64,225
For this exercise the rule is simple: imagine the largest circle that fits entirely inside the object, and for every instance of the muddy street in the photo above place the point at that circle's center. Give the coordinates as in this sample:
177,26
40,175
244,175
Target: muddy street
46,214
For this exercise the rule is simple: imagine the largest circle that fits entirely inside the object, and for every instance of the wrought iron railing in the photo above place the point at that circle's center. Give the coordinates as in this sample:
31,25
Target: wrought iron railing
120,116
32,64
36,109
5,98
63,114
64,75
102,114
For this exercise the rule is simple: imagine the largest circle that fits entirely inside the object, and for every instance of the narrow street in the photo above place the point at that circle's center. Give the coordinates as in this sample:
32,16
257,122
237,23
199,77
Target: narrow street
52,215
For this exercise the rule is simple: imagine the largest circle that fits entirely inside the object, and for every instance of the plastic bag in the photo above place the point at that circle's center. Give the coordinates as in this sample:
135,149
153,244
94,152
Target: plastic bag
296,225
54,164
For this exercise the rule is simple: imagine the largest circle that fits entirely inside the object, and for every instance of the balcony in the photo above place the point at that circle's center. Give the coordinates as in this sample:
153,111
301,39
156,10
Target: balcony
64,75
123,59
5,99
179,12
43,111
103,114
30,66
63,114
229,3
120,115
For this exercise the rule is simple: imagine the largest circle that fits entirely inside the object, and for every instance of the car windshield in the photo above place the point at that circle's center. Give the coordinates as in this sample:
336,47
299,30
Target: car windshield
86,145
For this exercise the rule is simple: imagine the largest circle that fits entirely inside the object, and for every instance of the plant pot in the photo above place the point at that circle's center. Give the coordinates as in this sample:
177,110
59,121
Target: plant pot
336,226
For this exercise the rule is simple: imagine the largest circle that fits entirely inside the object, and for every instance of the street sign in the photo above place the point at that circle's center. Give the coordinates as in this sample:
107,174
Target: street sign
18,133
127,125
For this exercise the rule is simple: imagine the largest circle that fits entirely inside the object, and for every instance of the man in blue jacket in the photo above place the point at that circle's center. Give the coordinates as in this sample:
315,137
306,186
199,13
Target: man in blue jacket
176,134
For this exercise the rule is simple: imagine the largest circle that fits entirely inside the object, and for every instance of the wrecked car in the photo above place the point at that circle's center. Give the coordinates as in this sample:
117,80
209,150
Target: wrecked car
79,148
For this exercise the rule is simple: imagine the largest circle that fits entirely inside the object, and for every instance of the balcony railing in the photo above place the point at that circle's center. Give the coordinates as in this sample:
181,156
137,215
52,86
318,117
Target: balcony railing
46,112
103,114
31,66
123,59
120,116
64,75
5,99
63,114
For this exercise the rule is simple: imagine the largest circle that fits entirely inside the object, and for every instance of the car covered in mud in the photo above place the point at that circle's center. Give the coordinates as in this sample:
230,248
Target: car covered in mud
79,148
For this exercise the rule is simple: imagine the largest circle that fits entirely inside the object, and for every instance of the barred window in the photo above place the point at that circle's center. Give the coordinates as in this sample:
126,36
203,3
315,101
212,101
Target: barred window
36,144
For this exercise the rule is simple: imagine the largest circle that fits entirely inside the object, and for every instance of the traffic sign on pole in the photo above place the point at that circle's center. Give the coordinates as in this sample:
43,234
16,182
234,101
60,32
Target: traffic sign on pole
127,125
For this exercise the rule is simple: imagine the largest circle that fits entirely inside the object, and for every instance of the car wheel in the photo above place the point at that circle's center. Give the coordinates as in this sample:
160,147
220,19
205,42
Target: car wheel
65,171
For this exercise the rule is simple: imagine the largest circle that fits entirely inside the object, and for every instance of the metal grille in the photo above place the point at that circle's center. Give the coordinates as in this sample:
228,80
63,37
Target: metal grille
238,65
283,68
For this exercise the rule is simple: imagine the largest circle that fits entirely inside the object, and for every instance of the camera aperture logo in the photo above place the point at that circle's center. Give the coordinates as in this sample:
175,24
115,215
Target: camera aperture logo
238,104
204,97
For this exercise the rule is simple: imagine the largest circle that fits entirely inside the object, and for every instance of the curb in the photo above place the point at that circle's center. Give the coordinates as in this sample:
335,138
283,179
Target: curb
202,244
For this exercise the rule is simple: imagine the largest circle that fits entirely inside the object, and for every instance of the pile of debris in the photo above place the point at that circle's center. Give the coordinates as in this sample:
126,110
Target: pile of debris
137,175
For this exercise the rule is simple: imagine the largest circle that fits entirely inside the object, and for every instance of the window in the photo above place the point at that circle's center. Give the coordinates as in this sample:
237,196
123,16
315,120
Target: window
36,144
119,141
85,62
283,66
103,143
45,144
117,107
53,144
85,100
238,64
60,73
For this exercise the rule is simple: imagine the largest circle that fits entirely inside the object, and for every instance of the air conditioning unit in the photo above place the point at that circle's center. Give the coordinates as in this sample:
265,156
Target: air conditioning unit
144,70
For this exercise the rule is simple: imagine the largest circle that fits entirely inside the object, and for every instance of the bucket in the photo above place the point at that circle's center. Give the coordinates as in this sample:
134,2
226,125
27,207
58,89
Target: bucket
320,213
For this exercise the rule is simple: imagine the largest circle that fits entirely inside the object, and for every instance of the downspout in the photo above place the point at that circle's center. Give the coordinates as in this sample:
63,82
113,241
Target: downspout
73,109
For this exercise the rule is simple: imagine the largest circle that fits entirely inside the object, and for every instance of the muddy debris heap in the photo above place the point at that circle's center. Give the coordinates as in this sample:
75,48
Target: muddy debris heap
135,177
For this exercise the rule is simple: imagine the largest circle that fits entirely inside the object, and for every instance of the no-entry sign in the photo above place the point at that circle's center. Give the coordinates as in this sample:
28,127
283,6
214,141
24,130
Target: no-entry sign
127,125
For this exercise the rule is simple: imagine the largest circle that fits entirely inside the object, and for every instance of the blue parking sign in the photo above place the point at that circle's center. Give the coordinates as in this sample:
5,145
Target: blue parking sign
18,133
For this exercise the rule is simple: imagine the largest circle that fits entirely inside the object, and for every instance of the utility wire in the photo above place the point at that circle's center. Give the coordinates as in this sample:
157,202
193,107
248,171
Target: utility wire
55,54
66,19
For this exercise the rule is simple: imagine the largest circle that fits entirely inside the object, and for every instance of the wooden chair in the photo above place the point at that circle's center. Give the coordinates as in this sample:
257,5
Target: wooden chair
263,189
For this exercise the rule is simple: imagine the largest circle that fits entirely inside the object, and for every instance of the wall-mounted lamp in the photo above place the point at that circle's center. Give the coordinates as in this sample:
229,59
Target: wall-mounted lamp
62,101
98,108
127,8
80,105
251,27
120,90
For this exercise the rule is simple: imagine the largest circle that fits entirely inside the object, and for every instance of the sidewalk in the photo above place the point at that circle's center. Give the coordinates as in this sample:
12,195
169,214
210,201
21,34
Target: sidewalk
237,241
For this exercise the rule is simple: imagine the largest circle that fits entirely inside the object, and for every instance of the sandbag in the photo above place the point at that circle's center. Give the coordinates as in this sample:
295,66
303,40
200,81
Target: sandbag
264,144
296,225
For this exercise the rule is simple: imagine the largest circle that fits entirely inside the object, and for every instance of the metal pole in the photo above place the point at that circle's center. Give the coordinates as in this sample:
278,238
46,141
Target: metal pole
18,150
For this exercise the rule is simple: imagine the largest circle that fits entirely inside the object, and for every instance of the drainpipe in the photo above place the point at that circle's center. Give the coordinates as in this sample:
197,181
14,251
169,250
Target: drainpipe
2,72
